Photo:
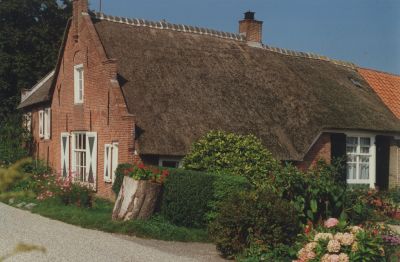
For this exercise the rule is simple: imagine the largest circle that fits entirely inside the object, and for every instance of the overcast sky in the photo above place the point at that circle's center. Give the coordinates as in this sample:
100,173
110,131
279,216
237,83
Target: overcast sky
365,32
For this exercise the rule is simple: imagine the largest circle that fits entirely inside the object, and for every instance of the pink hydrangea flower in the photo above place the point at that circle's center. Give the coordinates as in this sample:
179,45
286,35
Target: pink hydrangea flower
331,222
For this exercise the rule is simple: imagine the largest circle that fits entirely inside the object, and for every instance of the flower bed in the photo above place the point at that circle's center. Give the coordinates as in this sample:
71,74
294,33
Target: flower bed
336,241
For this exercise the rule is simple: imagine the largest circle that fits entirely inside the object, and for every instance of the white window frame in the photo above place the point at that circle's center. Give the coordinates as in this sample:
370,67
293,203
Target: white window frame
114,160
47,123
110,161
107,163
41,123
372,159
172,159
79,84
77,154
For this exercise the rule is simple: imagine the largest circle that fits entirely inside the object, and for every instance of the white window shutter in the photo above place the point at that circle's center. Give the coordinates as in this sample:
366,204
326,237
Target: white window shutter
91,157
64,155
107,162
47,123
41,127
114,160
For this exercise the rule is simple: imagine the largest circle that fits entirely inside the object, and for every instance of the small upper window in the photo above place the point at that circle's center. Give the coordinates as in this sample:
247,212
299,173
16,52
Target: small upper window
79,85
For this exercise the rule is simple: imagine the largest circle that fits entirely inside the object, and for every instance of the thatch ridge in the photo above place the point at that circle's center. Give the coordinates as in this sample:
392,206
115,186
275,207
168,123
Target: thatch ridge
206,31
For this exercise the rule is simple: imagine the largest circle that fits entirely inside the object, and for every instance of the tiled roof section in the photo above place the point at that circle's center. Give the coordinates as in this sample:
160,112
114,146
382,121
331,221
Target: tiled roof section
39,93
205,31
386,85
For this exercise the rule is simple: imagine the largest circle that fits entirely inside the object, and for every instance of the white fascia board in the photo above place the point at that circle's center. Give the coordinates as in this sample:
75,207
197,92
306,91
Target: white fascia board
37,86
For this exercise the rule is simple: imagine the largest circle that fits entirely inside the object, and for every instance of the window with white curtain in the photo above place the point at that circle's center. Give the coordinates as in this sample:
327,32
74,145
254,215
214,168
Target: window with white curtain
360,152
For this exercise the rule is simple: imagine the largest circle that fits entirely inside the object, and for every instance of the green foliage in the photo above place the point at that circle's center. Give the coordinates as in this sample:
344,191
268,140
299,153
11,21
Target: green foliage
119,177
12,175
316,194
192,198
357,208
75,194
259,216
99,217
243,155
259,252
352,243
30,37
14,140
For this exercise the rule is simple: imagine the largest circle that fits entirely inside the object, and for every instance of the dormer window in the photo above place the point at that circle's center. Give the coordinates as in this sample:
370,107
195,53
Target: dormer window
79,85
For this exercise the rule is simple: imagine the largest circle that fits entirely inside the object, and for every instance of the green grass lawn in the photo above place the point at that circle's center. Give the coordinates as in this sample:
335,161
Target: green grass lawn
99,217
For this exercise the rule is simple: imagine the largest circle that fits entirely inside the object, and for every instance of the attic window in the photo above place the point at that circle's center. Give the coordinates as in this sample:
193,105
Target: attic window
356,82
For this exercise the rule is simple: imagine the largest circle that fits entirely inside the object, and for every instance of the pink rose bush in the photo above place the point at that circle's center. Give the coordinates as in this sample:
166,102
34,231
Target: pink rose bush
335,241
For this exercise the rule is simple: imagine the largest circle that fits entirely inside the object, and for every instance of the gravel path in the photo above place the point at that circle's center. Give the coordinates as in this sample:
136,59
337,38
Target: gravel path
66,242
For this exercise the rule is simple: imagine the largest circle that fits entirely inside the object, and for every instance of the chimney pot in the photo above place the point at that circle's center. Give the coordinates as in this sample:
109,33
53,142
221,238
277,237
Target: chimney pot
249,15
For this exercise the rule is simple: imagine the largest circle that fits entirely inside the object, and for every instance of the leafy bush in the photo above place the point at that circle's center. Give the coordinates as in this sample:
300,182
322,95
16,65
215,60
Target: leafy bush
14,140
259,216
191,198
357,207
243,155
317,193
258,252
75,194
11,177
336,241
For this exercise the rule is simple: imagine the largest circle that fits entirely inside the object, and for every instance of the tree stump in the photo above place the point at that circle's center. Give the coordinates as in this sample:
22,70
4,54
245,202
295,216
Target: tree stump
136,199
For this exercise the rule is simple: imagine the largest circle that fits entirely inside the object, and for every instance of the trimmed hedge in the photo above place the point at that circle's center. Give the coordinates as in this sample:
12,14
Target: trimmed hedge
191,198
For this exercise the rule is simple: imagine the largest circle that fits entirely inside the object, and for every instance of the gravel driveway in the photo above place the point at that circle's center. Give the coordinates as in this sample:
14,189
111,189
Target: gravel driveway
66,242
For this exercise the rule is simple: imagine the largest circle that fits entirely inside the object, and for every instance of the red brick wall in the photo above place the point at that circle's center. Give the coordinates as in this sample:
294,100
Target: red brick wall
320,150
111,121
252,28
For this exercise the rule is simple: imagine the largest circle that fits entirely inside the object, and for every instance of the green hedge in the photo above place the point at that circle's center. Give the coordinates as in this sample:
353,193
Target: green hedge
191,198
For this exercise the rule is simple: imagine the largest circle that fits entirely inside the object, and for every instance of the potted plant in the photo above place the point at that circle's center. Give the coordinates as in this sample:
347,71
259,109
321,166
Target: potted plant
139,192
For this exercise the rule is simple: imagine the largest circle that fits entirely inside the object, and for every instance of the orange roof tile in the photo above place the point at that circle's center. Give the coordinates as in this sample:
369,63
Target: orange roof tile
386,85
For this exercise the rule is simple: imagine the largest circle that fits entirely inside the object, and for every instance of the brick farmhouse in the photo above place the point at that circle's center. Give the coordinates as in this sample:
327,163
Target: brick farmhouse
130,89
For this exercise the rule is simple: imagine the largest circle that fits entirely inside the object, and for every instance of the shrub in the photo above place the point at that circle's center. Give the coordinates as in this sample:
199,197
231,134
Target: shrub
336,241
191,198
316,193
11,177
259,252
74,194
260,216
14,140
243,155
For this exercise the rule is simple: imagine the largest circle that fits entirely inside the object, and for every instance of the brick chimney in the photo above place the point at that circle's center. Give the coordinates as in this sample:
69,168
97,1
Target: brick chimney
78,7
251,28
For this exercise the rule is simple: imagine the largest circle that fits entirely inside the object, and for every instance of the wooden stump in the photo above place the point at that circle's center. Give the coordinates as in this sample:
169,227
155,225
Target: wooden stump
136,199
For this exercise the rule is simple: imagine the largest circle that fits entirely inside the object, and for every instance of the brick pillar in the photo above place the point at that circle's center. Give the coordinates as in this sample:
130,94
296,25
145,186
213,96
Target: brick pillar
251,28
78,6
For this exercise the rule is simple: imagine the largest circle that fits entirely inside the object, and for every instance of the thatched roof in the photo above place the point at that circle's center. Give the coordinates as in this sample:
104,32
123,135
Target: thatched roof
180,85
39,93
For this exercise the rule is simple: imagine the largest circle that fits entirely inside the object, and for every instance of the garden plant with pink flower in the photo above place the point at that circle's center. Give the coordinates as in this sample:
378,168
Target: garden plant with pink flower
336,241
